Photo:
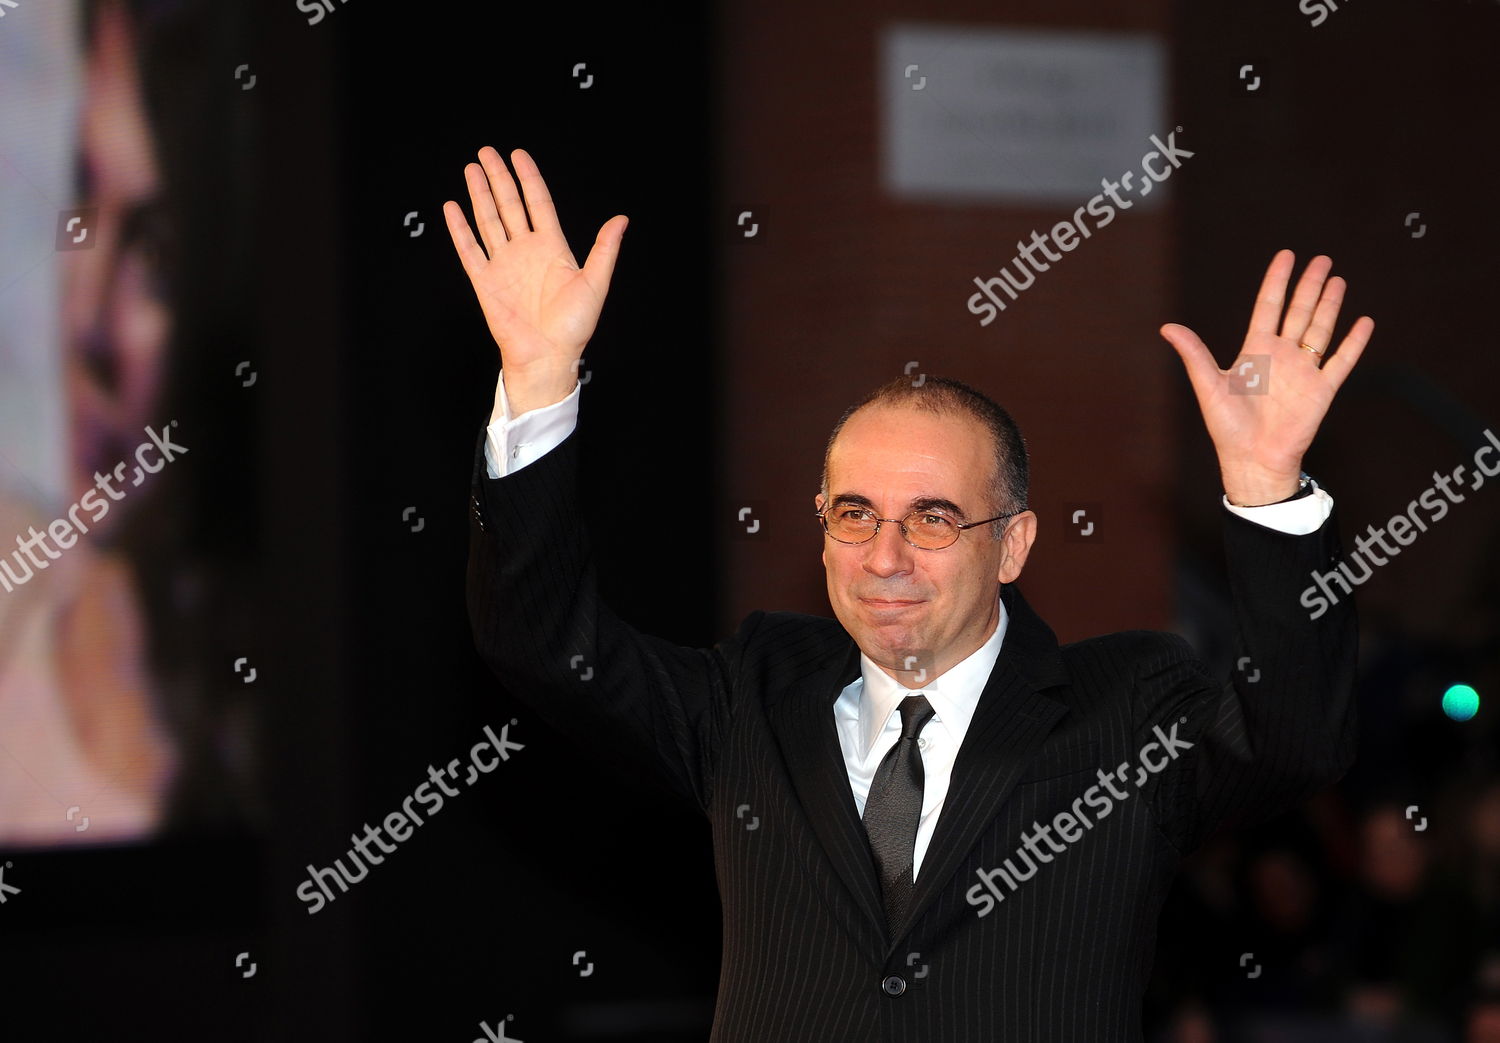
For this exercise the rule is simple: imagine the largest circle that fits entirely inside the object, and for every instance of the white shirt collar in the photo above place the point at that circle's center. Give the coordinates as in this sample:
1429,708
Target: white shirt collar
954,695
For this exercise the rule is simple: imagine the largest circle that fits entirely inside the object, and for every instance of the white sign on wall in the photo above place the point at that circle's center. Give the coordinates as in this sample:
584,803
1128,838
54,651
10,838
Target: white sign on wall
1016,115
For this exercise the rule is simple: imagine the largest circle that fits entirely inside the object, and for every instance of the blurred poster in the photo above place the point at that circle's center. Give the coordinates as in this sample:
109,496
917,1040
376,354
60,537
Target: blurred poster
119,558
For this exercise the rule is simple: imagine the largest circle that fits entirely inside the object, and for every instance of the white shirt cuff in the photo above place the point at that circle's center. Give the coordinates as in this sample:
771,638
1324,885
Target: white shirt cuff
1297,517
511,443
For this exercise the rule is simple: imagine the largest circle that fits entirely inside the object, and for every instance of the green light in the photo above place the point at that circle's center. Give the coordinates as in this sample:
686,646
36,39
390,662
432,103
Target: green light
1460,702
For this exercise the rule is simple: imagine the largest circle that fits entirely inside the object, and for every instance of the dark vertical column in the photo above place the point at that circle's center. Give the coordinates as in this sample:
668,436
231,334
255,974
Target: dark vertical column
307,521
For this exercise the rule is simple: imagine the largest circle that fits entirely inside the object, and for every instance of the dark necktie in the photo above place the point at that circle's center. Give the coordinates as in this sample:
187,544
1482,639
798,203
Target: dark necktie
894,808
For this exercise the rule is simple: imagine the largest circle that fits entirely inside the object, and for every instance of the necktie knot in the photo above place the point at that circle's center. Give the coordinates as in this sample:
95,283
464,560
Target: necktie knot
916,711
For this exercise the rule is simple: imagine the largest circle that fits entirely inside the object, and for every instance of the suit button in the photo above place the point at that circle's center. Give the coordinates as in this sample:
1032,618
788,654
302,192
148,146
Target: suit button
894,985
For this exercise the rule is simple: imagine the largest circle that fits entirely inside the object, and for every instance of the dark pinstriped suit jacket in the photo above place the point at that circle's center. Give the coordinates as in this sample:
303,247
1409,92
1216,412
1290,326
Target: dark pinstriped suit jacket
749,724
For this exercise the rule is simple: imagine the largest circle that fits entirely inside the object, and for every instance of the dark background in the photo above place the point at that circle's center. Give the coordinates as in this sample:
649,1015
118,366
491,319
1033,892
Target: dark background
377,374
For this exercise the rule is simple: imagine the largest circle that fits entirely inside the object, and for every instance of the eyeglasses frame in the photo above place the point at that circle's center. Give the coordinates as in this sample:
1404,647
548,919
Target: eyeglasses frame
822,517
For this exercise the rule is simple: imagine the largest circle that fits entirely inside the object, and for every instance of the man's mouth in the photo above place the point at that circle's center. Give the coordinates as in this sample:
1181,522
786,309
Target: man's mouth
890,602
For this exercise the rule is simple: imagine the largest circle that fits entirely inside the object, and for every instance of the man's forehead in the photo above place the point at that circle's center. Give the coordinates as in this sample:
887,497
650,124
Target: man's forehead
912,451
907,436
892,483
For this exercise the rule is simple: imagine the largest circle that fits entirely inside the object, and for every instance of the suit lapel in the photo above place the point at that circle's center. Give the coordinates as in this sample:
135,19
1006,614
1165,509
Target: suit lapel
802,721
1009,724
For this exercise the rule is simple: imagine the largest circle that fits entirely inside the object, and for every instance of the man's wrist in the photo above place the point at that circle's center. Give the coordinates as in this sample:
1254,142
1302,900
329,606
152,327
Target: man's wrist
525,392
1251,484
1305,485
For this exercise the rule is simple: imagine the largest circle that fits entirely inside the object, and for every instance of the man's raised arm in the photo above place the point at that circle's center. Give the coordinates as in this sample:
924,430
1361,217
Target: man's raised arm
532,589
1284,723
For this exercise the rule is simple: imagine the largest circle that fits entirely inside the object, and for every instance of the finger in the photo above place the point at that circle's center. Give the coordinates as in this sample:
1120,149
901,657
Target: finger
1350,349
469,253
1319,332
485,214
599,266
1267,313
538,199
1203,373
512,210
1305,299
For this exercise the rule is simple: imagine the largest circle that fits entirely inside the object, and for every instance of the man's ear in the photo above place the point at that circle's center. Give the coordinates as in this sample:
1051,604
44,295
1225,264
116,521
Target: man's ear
1020,534
822,554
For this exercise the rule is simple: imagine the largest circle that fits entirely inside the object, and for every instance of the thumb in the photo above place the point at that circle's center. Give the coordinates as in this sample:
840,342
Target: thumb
1203,373
599,266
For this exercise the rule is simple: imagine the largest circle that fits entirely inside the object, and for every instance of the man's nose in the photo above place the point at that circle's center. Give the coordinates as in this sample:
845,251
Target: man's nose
888,553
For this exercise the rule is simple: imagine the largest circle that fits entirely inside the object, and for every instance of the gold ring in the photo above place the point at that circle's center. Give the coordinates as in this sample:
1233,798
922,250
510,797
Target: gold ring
1309,347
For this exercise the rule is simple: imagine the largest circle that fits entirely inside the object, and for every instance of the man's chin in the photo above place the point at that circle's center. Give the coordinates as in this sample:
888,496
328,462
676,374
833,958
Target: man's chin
887,638
892,645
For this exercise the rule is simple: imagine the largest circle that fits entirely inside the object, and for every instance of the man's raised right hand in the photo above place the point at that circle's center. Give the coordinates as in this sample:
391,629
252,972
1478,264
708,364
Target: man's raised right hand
541,307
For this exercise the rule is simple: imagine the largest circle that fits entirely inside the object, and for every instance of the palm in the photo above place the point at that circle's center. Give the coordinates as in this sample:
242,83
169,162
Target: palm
536,299
1279,425
541,307
1263,411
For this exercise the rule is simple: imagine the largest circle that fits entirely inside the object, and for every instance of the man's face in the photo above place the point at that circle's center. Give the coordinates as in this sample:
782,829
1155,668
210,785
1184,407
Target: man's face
898,601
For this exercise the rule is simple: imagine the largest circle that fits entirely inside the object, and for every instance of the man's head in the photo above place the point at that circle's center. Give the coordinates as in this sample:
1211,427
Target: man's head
943,447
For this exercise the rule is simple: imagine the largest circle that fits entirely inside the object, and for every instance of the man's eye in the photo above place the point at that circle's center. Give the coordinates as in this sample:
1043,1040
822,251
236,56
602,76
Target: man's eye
848,513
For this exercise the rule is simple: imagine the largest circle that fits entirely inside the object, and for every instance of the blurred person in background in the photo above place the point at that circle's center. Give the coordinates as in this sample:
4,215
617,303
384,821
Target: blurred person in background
1286,930
1483,863
1483,1022
1404,929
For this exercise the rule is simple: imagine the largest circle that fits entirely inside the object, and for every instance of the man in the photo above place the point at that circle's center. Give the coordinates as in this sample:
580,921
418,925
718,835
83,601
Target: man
962,831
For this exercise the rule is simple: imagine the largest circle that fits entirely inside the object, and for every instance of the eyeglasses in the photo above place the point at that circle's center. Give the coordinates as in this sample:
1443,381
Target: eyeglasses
925,530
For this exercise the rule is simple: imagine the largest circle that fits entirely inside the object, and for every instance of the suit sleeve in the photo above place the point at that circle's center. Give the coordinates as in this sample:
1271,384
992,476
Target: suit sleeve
1283,725
539,625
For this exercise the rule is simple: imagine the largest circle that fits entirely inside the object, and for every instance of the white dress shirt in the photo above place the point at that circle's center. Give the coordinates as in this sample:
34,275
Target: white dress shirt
867,716
865,713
